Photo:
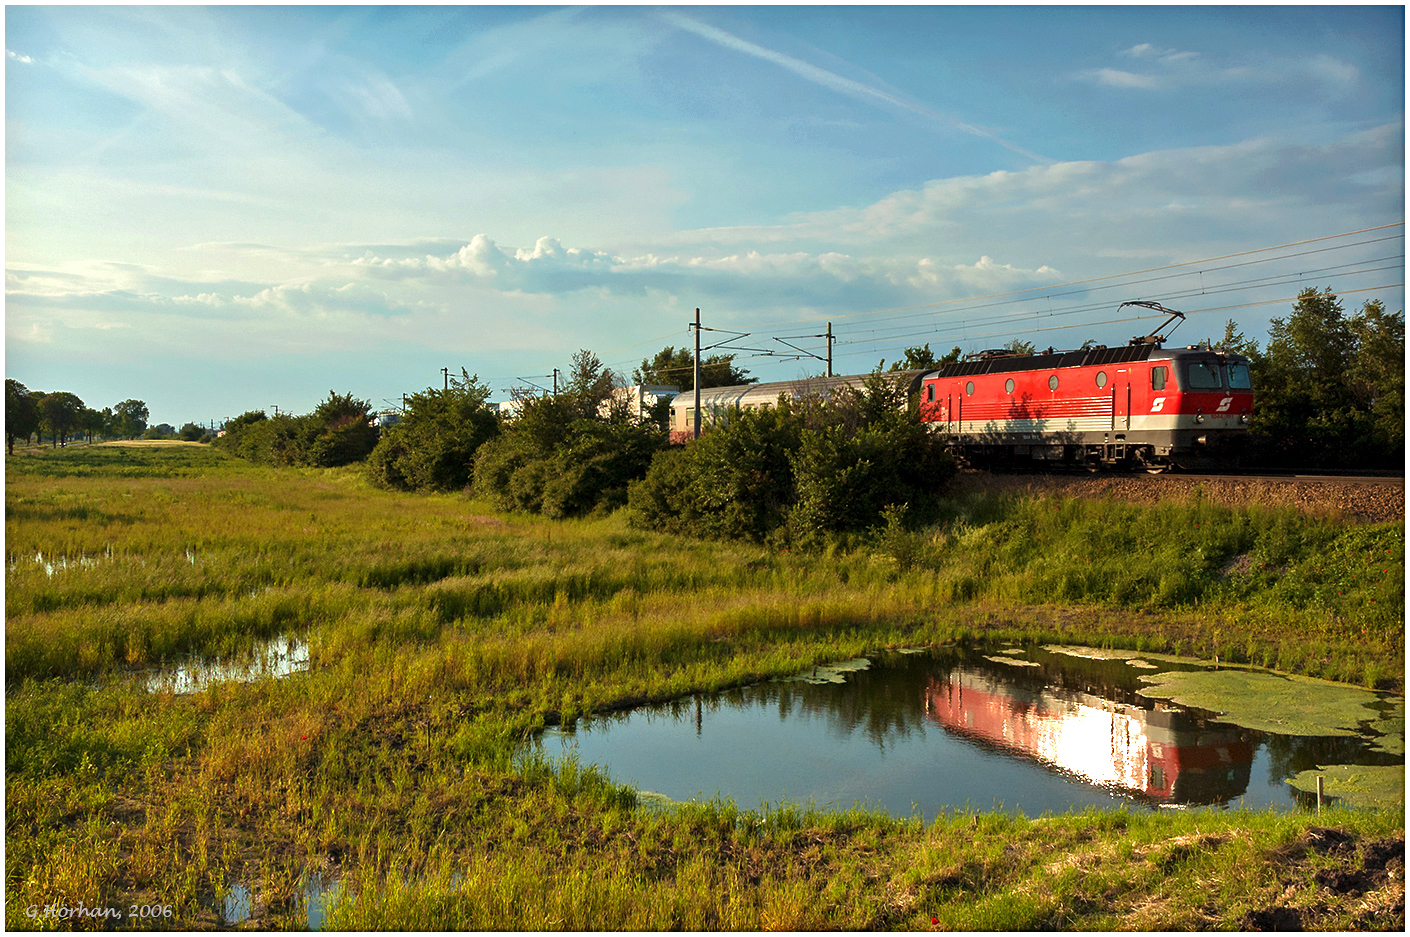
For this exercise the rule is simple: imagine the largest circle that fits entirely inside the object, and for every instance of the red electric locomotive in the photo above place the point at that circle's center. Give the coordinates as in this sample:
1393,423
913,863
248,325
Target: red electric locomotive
1135,406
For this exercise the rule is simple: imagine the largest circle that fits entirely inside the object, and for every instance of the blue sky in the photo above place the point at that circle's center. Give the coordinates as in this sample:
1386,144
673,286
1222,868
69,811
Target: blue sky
218,209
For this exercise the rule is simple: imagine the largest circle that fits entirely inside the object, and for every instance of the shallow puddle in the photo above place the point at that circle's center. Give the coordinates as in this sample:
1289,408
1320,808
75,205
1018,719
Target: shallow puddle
1022,729
278,657
319,896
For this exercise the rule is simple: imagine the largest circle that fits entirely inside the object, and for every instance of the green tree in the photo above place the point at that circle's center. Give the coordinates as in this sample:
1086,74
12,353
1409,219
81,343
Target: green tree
676,367
1377,377
1237,342
921,358
130,418
92,422
1329,391
21,413
60,412
190,432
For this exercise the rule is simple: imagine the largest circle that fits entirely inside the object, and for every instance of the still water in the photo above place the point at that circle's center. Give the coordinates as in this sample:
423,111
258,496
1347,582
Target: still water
1020,729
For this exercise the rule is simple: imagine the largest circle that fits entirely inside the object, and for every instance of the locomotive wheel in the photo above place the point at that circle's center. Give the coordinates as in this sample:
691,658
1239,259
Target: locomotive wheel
1158,469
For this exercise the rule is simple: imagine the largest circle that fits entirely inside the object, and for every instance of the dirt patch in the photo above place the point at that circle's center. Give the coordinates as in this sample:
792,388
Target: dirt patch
1363,501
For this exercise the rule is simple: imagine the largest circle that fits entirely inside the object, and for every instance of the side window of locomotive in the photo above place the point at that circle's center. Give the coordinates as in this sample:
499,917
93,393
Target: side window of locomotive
1204,375
1052,382
1239,377
969,389
1158,377
929,393
1101,378
1008,386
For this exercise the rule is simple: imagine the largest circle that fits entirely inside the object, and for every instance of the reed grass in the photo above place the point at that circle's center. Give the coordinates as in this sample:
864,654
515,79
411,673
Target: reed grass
443,633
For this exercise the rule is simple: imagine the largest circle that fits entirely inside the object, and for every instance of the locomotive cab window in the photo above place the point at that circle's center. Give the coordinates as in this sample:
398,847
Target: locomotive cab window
1239,378
1159,375
929,392
1203,375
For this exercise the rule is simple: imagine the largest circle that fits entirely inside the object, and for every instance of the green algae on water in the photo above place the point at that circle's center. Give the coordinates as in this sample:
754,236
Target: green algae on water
1357,785
1391,730
1011,661
1266,702
831,673
1141,659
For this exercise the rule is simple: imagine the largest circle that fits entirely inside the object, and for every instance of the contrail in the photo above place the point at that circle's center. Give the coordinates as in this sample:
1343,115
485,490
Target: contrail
836,82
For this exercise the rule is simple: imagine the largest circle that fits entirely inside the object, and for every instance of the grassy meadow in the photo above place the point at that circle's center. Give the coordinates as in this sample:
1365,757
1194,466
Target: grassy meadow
442,634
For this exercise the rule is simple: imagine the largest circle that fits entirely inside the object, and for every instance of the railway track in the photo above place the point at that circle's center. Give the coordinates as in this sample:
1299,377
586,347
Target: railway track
1361,498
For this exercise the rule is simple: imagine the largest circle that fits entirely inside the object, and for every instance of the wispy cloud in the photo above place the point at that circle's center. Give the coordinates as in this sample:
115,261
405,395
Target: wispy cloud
1162,69
836,82
16,57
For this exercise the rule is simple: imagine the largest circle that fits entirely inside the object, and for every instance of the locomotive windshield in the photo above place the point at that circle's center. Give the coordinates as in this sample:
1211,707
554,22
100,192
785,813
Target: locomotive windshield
1204,375
1239,377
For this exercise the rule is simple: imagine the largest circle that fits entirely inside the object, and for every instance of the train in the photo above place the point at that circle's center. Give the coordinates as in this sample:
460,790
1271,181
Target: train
1139,406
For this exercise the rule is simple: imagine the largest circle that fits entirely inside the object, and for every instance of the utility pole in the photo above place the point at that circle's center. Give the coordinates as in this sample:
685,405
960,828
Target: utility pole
829,349
555,382
446,373
696,329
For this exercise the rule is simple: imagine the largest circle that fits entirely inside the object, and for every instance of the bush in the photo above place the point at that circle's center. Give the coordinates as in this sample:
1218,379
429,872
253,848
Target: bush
802,472
433,446
570,454
338,432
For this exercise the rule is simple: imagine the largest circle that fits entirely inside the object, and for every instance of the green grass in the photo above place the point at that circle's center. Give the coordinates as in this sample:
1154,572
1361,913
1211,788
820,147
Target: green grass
442,633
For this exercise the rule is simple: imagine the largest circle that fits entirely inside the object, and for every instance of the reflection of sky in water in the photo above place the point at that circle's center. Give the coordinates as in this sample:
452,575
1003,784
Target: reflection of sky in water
319,896
275,658
922,732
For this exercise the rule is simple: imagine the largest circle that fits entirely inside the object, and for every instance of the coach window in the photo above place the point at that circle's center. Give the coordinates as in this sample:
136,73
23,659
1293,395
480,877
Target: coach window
1203,375
1158,377
1008,386
1101,378
1239,378
1052,382
969,389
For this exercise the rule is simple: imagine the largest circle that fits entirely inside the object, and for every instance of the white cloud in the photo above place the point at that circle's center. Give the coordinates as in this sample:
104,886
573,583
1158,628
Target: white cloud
1026,228
1168,69
1115,78
16,57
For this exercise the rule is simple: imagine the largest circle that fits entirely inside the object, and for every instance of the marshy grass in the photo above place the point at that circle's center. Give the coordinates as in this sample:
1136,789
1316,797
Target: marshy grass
443,633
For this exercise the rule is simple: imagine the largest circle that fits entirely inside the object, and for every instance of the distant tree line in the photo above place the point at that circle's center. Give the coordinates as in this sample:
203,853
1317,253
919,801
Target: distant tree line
63,416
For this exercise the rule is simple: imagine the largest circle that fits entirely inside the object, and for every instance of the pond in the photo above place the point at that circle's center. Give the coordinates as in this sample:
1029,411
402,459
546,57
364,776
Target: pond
1032,729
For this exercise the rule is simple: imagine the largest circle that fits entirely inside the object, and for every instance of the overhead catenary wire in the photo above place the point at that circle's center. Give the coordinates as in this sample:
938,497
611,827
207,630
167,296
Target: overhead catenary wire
1006,314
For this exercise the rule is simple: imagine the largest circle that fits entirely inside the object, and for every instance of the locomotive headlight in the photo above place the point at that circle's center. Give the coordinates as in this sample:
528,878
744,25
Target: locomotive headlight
1243,418
1199,417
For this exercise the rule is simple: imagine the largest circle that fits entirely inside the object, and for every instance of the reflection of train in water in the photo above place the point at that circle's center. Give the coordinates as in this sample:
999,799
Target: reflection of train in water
1167,756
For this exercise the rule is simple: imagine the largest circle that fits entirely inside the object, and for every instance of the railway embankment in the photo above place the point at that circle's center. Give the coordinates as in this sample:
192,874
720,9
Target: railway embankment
1360,500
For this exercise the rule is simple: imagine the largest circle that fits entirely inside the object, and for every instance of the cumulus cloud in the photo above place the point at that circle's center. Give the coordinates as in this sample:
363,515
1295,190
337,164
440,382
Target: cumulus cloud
955,237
